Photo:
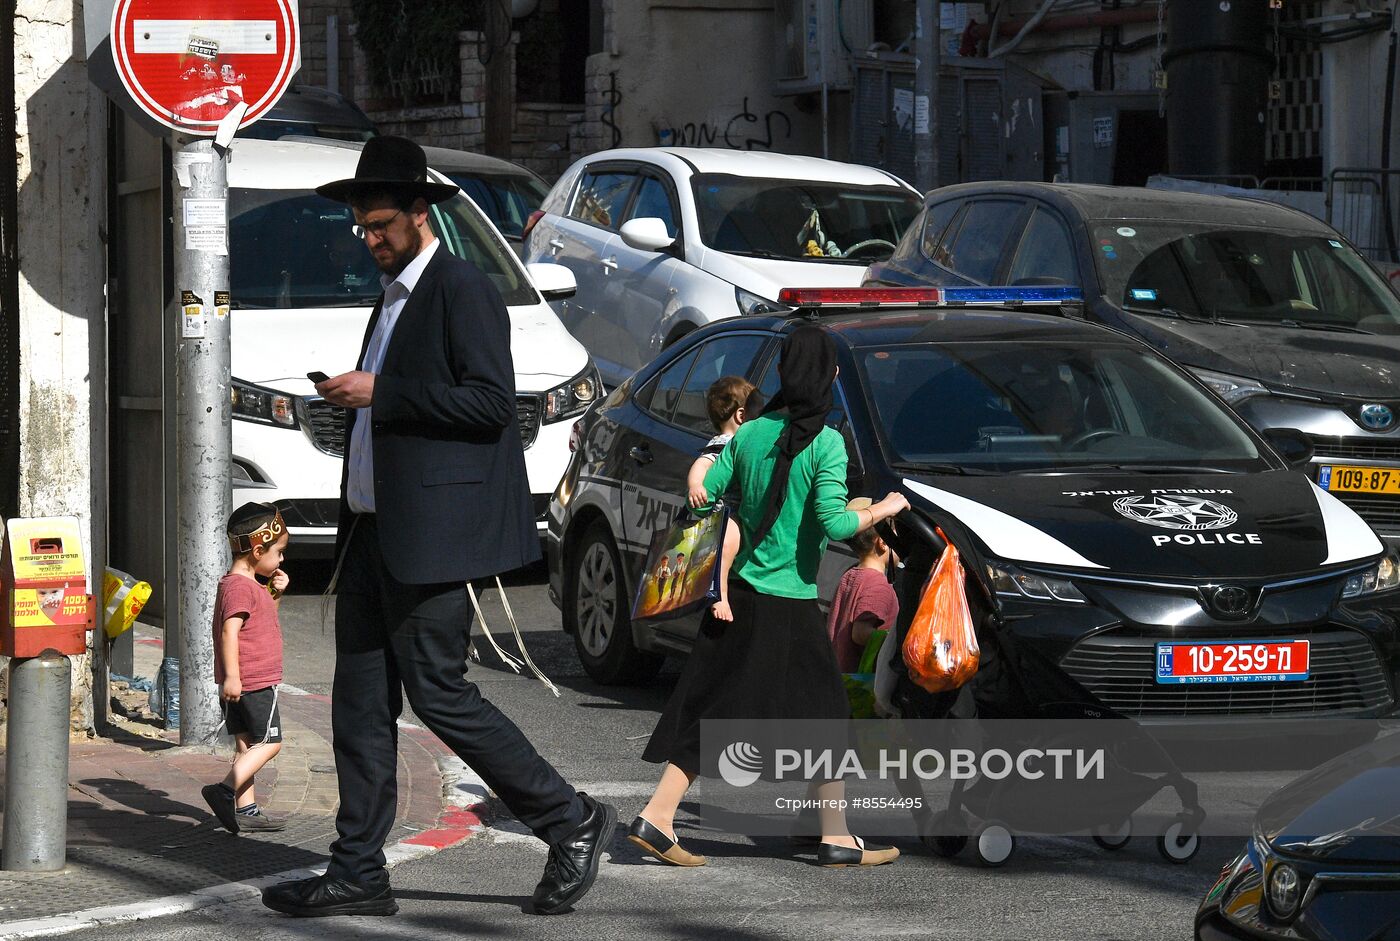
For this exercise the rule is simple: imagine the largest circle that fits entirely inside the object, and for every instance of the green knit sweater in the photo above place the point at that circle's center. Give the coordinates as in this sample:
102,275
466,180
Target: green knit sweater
785,563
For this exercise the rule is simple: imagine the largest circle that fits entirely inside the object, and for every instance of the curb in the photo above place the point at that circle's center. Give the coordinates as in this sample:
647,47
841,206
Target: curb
464,798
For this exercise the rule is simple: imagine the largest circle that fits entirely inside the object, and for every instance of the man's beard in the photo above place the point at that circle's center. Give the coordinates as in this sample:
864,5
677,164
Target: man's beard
401,261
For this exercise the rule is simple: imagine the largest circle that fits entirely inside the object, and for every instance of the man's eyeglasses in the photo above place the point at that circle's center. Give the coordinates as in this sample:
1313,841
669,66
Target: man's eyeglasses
377,228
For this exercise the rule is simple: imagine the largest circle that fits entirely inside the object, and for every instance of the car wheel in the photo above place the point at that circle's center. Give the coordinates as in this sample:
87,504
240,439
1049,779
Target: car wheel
599,611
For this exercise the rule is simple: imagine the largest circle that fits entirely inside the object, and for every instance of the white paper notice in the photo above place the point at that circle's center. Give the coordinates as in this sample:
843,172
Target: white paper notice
207,238
205,212
921,114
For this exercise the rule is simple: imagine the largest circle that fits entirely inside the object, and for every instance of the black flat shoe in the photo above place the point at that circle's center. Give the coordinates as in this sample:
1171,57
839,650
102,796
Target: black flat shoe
326,895
653,839
806,831
862,854
220,800
573,861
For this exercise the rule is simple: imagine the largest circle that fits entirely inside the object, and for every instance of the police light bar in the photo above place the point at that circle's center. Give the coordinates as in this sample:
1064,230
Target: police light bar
1049,295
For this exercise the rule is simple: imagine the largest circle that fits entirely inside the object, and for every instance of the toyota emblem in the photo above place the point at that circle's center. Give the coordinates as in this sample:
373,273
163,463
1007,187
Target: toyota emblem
1231,601
1377,417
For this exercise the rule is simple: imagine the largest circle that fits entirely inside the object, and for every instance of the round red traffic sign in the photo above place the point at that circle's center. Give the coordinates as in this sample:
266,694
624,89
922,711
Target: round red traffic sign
188,63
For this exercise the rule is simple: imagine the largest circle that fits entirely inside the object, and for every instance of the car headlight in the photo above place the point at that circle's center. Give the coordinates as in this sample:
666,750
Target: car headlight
1009,580
573,397
1283,890
750,304
1383,576
268,406
1233,389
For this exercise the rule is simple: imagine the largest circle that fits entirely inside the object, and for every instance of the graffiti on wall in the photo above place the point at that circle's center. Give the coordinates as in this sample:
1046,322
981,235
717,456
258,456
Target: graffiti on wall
612,98
742,131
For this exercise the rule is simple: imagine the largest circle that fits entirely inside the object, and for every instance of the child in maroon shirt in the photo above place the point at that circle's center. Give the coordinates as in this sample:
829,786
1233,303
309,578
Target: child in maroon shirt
865,601
248,661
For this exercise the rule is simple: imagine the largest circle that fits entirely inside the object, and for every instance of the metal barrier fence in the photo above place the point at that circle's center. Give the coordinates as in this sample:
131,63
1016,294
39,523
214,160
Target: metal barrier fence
1361,205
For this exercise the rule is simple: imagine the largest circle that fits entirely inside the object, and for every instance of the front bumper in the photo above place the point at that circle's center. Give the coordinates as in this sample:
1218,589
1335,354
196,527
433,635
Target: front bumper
1338,904
287,467
1109,647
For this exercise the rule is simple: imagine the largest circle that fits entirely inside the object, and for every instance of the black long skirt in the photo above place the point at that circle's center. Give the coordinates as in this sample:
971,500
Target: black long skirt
773,661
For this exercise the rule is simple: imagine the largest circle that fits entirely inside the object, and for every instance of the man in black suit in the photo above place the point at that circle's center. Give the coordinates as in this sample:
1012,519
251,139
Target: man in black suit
434,493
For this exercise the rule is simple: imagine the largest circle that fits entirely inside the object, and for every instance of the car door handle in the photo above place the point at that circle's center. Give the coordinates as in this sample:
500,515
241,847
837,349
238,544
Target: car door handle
556,244
641,454
610,263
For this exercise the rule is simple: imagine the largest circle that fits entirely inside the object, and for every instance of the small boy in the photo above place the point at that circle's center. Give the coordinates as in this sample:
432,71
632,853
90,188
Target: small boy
865,601
725,400
248,661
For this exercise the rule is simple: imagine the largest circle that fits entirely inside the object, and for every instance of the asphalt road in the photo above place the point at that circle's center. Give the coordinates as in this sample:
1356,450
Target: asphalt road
753,888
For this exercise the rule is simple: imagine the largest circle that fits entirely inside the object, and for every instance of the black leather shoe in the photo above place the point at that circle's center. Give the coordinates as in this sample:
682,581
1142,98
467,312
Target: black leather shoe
220,800
573,861
326,895
862,854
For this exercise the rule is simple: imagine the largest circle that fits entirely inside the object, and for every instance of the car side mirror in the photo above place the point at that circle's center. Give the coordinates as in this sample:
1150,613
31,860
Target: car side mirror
648,234
554,282
1292,445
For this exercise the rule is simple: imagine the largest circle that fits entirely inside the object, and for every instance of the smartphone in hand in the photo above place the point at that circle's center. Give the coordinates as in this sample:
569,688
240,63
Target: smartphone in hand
317,377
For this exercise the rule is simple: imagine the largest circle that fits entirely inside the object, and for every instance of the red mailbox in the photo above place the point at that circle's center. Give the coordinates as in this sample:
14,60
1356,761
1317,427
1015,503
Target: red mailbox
43,584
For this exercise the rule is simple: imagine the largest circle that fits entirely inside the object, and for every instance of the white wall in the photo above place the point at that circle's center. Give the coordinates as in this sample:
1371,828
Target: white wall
60,125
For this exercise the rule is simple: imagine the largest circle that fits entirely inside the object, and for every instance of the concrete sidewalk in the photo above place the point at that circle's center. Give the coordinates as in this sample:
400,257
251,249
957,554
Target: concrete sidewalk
142,842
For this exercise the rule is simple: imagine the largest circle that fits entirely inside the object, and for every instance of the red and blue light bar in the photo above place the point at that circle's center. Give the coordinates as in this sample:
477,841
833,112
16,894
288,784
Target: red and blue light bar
1046,295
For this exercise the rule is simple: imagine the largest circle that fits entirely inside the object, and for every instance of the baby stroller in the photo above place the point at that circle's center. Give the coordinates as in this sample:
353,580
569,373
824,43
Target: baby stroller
1014,681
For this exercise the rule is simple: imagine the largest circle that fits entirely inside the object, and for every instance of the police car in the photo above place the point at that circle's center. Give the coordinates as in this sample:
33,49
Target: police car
1116,516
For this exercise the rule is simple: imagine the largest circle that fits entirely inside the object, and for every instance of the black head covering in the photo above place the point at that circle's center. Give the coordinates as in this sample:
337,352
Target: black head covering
807,368
389,163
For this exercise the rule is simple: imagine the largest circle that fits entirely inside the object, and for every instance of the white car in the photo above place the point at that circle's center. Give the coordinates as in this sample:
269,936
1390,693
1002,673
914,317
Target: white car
303,287
666,239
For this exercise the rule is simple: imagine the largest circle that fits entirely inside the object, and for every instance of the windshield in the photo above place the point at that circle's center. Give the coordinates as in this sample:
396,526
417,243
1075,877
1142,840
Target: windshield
506,200
1245,275
1000,406
801,220
293,248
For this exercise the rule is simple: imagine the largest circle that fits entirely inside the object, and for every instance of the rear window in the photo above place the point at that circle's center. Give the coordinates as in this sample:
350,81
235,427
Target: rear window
294,249
507,199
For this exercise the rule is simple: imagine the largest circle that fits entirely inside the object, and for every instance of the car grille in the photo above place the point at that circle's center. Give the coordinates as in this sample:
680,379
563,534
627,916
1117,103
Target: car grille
1357,449
326,423
1344,673
1376,510
527,413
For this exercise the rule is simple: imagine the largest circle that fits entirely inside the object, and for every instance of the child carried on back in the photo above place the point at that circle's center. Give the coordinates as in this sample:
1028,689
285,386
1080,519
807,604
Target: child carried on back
725,400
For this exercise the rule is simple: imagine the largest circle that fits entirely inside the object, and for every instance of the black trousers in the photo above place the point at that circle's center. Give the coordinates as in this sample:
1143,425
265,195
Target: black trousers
390,635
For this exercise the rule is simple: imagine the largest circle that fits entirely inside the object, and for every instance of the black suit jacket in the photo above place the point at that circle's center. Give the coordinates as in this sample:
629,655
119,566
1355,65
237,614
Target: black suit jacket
452,499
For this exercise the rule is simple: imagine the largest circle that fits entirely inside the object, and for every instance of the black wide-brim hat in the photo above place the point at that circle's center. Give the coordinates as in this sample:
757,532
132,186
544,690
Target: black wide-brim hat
389,163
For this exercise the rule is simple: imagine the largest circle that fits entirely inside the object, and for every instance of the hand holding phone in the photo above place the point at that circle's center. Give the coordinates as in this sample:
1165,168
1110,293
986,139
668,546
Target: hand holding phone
317,377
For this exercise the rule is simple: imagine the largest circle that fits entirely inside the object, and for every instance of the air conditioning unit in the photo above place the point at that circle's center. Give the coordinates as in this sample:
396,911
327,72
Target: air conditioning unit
816,41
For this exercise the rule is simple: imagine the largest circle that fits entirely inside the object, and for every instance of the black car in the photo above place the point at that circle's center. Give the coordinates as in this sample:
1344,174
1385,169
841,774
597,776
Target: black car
1265,304
507,192
309,111
1121,519
1324,861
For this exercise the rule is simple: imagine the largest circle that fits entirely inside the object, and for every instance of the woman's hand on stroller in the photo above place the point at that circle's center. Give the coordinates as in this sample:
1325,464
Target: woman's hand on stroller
722,611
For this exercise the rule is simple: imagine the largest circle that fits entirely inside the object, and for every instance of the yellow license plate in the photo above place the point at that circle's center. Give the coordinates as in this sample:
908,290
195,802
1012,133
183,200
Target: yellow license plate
1359,479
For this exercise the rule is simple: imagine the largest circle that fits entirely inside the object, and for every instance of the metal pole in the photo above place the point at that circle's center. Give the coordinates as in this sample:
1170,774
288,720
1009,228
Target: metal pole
203,416
36,765
927,54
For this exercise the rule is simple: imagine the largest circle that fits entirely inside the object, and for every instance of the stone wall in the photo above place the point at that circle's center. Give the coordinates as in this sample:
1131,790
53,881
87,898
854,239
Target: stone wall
543,138
316,42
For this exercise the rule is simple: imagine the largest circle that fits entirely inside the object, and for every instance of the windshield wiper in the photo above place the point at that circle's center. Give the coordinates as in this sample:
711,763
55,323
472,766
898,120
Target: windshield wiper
760,253
1125,468
1331,327
957,469
1171,312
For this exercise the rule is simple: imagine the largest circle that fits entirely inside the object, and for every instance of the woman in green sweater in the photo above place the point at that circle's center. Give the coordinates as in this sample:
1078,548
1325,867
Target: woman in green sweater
773,661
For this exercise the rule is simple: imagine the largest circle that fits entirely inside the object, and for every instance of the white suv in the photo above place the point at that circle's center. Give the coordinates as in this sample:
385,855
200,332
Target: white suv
666,239
303,287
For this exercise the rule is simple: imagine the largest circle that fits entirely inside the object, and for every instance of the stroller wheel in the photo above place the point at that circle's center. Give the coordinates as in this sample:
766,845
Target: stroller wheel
1114,838
995,844
938,838
1178,846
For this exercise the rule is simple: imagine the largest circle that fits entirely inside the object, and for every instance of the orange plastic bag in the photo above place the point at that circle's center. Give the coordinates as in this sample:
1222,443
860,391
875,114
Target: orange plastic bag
940,650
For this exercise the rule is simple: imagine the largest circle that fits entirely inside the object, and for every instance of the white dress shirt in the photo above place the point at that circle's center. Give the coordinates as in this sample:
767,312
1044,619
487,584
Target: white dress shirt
359,486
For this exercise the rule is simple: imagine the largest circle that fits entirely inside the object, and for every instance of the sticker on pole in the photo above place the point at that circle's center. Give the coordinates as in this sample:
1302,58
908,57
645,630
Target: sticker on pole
188,63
